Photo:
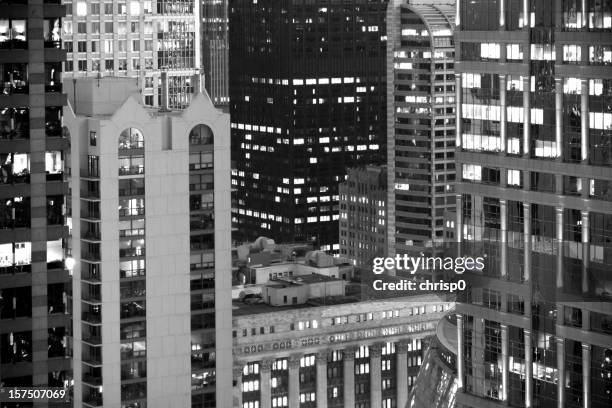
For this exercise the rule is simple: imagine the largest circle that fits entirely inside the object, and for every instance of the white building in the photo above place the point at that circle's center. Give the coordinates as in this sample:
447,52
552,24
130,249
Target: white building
139,222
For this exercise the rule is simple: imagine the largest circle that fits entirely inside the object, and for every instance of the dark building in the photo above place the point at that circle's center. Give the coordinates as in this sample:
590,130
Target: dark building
215,50
534,137
363,215
34,305
307,101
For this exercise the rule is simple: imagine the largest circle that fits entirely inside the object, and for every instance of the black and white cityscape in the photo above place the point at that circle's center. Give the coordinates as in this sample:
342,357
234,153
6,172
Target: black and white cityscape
306,203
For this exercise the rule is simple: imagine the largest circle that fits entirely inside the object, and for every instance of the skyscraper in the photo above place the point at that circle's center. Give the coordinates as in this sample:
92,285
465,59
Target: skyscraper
150,239
420,122
136,38
34,309
307,102
534,132
363,215
215,50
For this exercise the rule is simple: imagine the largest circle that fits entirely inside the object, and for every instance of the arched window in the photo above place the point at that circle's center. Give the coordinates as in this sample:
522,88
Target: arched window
201,135
131,138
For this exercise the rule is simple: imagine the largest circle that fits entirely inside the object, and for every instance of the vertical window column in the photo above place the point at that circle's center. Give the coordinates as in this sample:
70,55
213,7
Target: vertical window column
560,372
321,362
458,218
584,123
402,373
458,102
349,377
559,117
460,374
586,375
375,376
527,240
559,238
505,367
503,221
528,369
503,125
526,115
585,251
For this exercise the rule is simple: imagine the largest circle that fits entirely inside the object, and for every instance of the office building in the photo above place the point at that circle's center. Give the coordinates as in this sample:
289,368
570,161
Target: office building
307,101
34,276
363,215
135,38
534,125
330,352
215,50
420,122
436,384
150,240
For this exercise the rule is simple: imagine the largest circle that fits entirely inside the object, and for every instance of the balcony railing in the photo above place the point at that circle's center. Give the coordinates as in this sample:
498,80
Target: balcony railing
131,252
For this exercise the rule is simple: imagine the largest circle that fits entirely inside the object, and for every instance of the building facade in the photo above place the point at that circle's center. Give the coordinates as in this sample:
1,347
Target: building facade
136,38
34,276
534,126
359,354
215,50
307,101
150,239
363,215
420,121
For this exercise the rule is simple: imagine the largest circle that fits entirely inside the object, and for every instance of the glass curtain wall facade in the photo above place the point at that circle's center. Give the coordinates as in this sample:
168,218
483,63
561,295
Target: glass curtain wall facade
307,102
421,123
534,133
215,50
34,281
136,38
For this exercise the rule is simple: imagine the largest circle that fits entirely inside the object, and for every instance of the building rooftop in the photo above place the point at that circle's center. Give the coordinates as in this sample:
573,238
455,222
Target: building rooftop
284,282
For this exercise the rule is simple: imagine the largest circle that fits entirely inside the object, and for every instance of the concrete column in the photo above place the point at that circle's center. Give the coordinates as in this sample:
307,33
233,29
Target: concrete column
458,218
526,117
460,351
585,251
559,238
401,353
584,122
586,375
504,367
503,213
321,379
561,372
527,240
375,376
559,116
525,13
264,384
237,389
294,381
503,125
349,376
458,112
528,370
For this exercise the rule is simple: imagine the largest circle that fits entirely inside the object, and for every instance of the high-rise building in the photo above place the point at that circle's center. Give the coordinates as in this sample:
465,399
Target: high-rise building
420,121
534,133
215,50
363,215
151,242
136,38
307,101
34,276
